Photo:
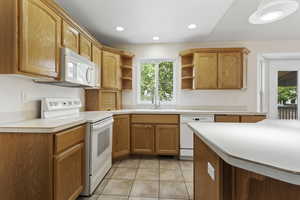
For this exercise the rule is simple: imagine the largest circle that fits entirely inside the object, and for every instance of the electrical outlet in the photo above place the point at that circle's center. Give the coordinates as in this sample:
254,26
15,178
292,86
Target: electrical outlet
211,171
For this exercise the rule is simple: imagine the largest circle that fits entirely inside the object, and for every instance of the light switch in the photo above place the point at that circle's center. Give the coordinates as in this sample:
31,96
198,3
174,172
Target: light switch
211,171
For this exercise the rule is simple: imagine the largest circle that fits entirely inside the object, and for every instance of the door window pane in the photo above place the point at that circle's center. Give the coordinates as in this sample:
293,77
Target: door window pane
287,95
166,86
147,81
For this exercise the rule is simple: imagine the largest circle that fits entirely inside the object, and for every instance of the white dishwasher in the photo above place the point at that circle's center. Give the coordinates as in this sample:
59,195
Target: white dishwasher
187,136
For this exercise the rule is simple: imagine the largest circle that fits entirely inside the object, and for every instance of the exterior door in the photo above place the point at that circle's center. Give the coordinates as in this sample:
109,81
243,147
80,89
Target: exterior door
142,139
40,39
230,70
206,70
284,89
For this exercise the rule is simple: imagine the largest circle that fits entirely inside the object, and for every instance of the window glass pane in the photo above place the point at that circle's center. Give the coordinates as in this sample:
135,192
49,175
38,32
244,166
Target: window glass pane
287,94
166,86
147,81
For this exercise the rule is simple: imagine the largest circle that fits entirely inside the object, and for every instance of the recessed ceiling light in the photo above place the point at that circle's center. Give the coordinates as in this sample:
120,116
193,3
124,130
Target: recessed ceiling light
120,28
192,26
273,10
155,38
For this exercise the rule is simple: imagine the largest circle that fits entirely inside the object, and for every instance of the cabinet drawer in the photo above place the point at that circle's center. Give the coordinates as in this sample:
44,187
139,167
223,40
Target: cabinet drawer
227,118
69,138
252,119
155,119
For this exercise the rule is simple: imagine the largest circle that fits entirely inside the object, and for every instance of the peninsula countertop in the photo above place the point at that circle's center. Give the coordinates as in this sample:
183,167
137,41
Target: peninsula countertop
62,123
270,148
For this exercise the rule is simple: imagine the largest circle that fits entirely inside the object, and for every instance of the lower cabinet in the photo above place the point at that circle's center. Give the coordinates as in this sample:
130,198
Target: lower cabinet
121,136
155,135
142,139
239,118
167,139
68,173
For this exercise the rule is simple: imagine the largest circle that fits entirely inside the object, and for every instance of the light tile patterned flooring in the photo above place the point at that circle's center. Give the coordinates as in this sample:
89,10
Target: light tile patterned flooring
147,179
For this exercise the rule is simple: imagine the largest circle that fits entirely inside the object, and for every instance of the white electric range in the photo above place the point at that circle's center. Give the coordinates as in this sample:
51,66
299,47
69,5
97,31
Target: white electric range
98,137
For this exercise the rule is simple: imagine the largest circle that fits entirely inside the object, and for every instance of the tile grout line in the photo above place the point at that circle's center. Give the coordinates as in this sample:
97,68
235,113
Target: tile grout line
186,187
139,162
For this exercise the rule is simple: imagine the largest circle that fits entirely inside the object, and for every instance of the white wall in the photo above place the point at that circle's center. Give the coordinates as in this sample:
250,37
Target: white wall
234,99
15,108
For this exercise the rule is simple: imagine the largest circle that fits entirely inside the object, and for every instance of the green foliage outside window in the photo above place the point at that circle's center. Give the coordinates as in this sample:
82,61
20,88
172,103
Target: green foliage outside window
147,81
287,94
165,81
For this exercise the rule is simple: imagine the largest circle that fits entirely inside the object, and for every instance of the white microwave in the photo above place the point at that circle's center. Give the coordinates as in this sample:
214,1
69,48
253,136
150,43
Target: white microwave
78,70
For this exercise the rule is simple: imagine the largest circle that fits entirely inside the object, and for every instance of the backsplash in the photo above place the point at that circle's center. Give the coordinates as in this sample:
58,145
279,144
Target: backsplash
20,97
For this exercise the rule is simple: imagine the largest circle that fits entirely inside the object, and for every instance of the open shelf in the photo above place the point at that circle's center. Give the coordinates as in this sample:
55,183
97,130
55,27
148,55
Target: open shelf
126,67
187,71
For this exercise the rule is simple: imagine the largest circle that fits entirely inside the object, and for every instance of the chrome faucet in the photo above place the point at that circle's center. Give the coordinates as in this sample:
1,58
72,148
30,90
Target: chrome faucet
155,99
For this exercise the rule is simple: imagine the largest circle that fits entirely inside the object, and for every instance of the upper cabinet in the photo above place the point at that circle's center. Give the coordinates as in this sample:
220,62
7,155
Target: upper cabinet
33,33
40,39
85,47
111,75
218,68
230,70
70,37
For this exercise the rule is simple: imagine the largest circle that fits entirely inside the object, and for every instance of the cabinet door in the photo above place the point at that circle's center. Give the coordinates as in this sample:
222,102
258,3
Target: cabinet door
252,119
69,173
121,136
40,39
142,139
167,139
108,100
227,118
206,70
230,71
110,70
85,47
70,37
97,59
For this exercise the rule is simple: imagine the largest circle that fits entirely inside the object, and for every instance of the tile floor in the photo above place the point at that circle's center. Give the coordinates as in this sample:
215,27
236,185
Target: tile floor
147,179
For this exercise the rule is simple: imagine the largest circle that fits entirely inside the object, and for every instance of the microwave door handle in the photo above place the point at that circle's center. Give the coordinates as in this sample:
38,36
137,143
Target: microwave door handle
88,75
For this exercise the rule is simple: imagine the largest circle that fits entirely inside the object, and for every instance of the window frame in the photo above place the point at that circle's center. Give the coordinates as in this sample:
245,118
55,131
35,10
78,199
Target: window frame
156,62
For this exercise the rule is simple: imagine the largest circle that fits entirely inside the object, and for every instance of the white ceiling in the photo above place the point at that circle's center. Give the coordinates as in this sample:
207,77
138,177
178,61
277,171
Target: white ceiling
217,20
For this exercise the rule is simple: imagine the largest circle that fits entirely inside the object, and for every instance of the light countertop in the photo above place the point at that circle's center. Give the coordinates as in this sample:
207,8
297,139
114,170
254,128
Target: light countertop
269,148
59,124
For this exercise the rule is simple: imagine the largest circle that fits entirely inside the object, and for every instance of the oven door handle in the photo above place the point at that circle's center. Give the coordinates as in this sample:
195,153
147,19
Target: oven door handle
102,125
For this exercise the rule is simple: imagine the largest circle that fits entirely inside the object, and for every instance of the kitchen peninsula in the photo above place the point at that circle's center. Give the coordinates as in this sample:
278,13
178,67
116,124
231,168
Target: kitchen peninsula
247,161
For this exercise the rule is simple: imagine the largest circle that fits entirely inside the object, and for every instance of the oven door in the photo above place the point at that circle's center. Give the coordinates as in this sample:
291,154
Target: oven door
101,151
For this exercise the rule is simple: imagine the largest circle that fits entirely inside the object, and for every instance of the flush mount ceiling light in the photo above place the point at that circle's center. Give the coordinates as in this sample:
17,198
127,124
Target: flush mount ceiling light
120,28
155,38
273,10
192,26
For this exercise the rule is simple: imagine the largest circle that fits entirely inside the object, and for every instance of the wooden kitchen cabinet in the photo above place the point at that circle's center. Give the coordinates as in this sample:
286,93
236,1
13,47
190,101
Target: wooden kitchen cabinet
103,100
70,37
252,118
206,70
121,136
204,157
69,173
227,118
155,134
43,166
40,39
214,68
142,139
85,47
111,71
230,70
167,139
